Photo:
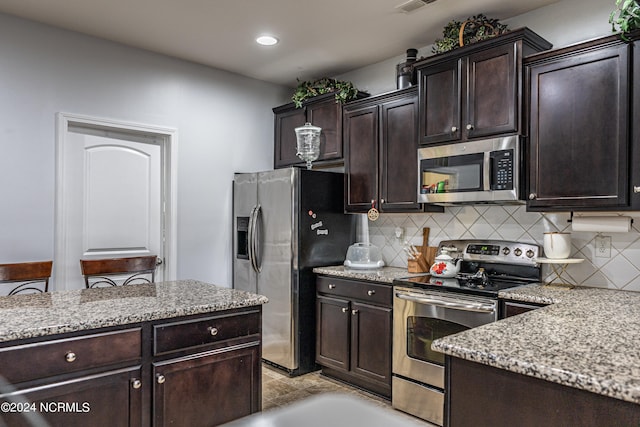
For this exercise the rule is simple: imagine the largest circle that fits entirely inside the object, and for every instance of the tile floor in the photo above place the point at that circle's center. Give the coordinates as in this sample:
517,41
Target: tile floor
280,390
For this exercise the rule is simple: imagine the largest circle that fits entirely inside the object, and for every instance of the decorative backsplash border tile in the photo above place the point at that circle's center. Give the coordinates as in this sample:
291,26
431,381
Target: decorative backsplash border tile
620,271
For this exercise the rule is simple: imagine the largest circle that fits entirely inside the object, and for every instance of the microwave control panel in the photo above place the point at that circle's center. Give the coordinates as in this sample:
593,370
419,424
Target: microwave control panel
502,170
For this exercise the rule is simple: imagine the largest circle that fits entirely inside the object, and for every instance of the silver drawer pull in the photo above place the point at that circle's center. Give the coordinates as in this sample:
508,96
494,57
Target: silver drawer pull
332,286
636,189
345,309
371,293
354,312
70,357
213,331
160,379
136,383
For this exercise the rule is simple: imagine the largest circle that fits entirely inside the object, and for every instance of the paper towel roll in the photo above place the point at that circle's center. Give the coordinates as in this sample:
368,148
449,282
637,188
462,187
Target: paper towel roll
610,224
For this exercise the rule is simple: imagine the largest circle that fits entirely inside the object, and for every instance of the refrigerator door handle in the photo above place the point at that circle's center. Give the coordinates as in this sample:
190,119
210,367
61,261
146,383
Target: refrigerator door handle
253,238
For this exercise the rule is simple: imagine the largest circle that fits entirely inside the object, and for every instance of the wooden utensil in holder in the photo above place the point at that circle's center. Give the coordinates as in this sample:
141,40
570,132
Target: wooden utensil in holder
422,263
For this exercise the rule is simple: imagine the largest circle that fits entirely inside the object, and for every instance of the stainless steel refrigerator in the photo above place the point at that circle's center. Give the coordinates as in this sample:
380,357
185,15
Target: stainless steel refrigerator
285,223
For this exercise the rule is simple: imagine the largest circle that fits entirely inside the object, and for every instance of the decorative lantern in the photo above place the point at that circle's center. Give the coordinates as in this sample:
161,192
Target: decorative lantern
308,143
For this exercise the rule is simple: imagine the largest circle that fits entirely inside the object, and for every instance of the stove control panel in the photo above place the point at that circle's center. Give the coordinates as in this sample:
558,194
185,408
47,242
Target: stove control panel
497,251
480,249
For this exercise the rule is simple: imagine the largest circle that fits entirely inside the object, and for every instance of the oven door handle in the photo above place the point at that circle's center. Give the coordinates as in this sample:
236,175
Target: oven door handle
465,306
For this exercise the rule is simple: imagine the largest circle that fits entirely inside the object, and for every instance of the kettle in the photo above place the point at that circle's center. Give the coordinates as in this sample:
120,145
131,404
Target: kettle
445,265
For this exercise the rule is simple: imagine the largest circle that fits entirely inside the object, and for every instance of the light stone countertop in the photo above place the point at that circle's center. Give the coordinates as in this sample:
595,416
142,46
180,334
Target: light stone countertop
589,339
382,275
35,315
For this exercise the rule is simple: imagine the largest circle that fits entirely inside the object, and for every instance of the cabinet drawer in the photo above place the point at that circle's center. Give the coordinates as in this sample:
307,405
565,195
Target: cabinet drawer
196,333
44,359
364,291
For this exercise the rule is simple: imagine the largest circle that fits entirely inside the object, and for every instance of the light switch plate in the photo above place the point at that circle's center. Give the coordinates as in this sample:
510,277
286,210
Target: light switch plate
603,246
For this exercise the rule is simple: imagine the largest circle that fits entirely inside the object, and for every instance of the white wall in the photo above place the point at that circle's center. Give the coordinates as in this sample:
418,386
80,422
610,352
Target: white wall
224,125
563,23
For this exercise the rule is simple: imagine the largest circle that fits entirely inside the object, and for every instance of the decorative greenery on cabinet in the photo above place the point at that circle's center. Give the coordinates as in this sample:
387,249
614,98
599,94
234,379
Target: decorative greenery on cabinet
627,19
344,91
473,29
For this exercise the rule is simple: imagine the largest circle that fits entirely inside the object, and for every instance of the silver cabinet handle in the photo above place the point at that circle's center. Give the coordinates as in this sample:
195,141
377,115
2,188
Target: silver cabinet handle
160,379
454,129
70,357
332,286
469,126
136,383
636,189
381,201
345,309
354,312
533,196
213,331
371,292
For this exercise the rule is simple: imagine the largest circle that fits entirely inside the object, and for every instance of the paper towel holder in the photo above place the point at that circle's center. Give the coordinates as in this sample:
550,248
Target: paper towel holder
609,223
570,220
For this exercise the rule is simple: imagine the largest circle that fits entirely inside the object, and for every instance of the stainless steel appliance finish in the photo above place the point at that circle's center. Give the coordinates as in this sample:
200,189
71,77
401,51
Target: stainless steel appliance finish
426,309
285,223
483,171
420,317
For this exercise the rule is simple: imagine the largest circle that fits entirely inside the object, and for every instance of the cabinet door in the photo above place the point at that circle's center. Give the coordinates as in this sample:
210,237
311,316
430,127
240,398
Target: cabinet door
510,308
207,389
328,116
440,102
285,146
493,96
371,342
332,337
107,399
635,129
399,156
579,138
361,158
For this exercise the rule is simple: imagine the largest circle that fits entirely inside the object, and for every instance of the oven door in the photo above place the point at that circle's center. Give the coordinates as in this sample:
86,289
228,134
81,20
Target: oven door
421,317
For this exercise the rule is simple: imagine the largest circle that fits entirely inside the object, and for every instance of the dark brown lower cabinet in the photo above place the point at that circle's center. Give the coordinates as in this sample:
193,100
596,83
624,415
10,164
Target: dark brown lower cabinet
480,395
208,389
86,401
513,308
200,370
353,341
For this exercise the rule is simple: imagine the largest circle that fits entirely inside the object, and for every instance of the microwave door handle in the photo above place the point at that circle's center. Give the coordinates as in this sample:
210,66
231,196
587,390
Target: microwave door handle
482,308
486,171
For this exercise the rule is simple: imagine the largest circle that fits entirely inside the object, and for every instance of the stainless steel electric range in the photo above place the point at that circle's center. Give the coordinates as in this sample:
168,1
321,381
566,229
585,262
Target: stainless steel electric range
426,308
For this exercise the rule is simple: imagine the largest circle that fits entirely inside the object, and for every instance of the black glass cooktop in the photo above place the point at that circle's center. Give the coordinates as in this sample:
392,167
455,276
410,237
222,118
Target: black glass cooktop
463,284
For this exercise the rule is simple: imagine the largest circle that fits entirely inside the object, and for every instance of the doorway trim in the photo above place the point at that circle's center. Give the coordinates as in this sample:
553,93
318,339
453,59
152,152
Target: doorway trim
168,138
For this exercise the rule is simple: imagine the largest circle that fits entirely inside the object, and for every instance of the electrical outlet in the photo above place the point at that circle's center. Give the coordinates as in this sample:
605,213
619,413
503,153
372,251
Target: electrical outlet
603,246
399,232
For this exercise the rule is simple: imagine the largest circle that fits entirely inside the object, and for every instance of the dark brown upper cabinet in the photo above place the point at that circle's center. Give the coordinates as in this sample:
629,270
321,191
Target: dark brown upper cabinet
381,148
580,125
322,111
475,91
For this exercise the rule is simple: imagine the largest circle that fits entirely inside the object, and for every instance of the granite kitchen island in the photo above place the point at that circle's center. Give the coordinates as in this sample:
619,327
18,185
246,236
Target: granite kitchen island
180,353
574,362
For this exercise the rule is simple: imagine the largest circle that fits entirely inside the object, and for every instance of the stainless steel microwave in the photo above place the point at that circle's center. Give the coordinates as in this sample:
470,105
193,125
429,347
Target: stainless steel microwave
484,171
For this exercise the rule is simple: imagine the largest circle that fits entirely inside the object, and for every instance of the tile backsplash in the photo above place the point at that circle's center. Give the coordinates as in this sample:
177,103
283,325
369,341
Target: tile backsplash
620,270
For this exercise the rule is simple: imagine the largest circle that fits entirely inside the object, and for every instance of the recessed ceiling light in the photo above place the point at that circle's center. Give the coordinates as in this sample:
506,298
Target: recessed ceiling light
267,40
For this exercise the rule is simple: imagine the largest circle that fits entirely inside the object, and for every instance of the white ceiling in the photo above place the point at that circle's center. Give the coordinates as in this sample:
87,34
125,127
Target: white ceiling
317,38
